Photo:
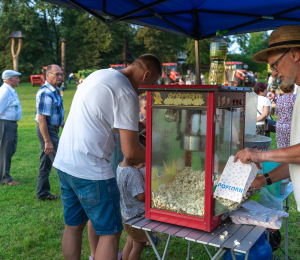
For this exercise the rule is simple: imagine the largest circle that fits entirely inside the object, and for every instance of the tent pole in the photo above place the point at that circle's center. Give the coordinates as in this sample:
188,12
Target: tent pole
198,71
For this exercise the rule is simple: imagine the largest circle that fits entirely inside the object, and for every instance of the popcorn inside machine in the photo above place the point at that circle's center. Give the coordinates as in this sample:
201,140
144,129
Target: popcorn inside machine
191,132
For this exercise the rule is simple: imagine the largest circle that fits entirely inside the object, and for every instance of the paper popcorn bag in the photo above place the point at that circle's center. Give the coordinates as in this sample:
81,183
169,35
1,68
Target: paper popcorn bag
235,180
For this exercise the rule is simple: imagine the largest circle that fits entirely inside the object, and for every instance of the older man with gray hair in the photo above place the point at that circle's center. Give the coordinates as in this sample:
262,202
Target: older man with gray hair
10,114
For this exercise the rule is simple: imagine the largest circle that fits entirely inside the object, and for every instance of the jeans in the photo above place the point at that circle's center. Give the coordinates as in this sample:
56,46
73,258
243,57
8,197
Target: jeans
94,200
46,160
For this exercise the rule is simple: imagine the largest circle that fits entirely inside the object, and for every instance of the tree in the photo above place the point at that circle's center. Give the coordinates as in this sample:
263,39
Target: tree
250,44
164,45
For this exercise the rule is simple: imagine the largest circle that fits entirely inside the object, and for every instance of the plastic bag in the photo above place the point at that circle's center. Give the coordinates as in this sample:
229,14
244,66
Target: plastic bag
256,214
268,200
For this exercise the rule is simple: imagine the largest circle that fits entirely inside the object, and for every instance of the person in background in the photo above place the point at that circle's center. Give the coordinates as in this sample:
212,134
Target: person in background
10,114
283,111
203,79
143,109
132,190
62,89
263,108
49,117
270,82
255,76
70,77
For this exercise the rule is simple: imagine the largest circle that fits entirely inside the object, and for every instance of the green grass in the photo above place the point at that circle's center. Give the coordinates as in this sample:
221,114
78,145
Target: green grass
32,229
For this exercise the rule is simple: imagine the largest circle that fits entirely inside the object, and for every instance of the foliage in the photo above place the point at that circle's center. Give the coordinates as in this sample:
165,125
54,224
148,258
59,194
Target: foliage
250,44
164,45
84,73
262,75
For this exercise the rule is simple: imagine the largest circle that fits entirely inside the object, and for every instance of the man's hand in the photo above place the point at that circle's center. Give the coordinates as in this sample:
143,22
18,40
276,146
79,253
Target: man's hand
48,147
259,182
248,155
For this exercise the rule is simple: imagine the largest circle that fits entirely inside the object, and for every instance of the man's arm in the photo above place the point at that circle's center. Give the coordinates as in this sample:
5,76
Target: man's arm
279,173
44,131
283,155
4,99
264,114
140,197
131,147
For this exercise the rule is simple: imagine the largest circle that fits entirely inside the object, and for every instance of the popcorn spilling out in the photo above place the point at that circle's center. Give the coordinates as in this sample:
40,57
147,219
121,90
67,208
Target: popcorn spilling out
222,236
225,233
184,195
236,242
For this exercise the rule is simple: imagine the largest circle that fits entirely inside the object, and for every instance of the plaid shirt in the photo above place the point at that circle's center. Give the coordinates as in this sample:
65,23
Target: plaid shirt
49,103
10,105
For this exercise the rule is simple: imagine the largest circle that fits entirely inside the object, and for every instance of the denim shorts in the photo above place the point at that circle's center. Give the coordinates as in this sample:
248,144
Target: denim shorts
97,201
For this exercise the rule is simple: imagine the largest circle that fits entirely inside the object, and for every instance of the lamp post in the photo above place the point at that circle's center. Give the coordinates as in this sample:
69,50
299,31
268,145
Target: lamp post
16,35
63,58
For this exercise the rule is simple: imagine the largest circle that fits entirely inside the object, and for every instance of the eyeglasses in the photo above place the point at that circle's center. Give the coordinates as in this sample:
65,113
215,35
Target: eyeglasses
272,67
56,74
15,77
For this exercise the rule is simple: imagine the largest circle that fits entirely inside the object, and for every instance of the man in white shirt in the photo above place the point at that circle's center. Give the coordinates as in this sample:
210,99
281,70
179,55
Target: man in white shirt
106,104
70,77
283,56
10,114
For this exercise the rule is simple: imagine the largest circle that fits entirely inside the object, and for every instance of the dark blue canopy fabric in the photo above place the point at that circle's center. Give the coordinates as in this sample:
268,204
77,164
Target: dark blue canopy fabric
196,19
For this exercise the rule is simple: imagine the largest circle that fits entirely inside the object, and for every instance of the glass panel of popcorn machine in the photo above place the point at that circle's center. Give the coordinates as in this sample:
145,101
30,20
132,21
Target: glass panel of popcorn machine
228,137
178,160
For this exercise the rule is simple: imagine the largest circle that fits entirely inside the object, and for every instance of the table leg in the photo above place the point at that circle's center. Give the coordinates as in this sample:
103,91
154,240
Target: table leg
287,230
233,254
189,251
219,254
153,245
208,252
247,255
166,248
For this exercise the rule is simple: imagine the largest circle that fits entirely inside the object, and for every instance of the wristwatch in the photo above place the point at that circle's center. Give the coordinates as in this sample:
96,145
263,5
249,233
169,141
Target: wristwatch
268,179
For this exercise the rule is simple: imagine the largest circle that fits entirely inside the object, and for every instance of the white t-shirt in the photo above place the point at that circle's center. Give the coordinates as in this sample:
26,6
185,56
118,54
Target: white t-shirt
261,103
295,139
295,89
270,81
104,104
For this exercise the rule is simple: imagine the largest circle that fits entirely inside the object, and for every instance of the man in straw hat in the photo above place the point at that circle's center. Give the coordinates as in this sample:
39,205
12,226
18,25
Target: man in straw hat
283,55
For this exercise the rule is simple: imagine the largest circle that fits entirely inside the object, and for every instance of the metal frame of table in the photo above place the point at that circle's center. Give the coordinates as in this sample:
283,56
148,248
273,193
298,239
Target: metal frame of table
247,235
285,197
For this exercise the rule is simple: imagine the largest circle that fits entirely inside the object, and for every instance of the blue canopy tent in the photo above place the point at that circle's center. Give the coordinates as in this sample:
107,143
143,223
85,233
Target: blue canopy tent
197,19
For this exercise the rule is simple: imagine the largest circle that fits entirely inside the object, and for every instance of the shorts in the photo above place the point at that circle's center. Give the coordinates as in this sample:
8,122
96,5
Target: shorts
138,235
97,201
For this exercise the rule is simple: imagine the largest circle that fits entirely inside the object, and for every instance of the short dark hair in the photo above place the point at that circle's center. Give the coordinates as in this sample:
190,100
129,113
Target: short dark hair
260,87
149,62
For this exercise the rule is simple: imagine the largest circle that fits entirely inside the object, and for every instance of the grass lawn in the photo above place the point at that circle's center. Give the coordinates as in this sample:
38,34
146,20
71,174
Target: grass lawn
32,229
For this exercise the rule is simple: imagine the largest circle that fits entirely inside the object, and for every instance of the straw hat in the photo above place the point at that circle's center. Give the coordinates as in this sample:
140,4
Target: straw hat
287,36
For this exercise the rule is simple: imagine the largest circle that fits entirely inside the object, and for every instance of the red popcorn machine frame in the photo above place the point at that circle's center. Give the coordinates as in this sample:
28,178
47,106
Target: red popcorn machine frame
191,132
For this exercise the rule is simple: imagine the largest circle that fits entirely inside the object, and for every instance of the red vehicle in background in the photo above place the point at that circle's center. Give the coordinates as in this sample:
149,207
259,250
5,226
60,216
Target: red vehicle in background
241,75
118,66
170,75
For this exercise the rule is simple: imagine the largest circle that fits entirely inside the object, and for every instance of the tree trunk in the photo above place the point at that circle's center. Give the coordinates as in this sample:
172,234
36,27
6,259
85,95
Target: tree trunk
16,55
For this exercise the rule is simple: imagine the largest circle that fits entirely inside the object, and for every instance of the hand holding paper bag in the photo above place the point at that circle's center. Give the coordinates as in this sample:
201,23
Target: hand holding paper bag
235,180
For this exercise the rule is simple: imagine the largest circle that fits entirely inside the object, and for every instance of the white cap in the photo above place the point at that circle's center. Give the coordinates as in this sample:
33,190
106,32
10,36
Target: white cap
10,73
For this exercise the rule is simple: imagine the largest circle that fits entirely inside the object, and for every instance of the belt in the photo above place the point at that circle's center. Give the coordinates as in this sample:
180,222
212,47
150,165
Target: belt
9,120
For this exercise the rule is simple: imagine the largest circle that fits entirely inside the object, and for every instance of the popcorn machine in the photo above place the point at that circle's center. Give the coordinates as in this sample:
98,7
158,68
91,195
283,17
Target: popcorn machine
191,132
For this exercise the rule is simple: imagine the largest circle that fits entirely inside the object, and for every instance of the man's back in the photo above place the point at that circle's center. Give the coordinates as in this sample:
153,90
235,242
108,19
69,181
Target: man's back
98,110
